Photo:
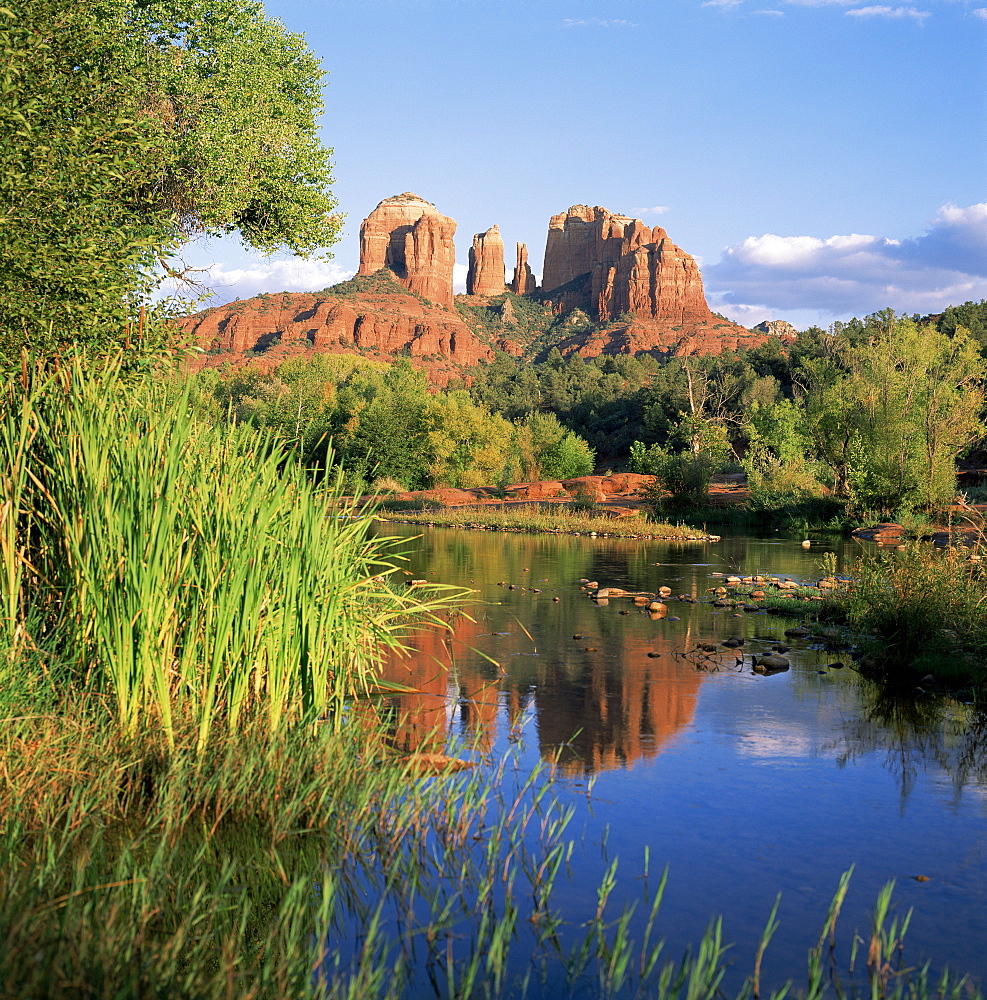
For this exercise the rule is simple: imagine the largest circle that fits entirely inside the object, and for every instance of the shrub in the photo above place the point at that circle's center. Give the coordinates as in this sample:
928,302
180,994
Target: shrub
774,484
925,610
687,475
568,458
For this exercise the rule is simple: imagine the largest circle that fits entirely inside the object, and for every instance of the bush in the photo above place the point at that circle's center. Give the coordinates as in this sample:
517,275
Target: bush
687,475
773,484
925,609
569,458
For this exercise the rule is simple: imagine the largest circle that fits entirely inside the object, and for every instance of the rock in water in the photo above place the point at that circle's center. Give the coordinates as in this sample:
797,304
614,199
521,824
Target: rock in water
771,664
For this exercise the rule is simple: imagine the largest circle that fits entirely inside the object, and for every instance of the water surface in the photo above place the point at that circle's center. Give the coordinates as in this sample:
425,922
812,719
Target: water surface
744,786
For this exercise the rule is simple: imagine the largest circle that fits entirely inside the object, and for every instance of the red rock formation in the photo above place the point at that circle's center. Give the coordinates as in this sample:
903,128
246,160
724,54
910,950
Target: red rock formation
777,328
578,240
523,281
385,323
486,268
407,235
633,279
632,268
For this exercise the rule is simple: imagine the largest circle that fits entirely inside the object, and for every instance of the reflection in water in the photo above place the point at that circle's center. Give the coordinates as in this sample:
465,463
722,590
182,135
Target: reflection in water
592,708
594,703
745,786
915,734
513,666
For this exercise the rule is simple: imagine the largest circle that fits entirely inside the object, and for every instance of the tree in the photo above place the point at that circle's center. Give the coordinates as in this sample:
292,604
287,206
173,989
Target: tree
891,413
567,458
390,437
468,444
129,127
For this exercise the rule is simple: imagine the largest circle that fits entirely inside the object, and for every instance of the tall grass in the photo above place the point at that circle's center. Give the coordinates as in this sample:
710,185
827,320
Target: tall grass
179,569
179,606
310,863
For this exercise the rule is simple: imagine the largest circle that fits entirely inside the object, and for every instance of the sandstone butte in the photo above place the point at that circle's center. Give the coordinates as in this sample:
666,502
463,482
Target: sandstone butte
523,281
411,238
645,291
642,292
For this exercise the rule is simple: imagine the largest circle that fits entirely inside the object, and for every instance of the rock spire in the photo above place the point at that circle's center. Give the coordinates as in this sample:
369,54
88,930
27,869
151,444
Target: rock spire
626,267
523,281
410,237
486,264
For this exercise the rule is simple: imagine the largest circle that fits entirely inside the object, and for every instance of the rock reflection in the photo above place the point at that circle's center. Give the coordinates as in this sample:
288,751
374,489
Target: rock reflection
588,708
607,711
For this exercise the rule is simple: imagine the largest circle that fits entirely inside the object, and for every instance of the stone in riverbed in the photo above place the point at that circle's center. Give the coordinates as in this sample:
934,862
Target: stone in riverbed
771,664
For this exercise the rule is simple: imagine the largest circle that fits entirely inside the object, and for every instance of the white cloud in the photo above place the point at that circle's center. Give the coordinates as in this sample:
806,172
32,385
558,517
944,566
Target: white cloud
856,274
889,12
769,13
459,273
596,22
264,275
980,12
722,4
654,210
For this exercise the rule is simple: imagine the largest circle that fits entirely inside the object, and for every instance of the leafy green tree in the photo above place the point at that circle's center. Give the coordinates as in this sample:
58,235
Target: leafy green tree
686,475
891,414
468,444
567,458
777,430
971,316
127,128
555,452
391,433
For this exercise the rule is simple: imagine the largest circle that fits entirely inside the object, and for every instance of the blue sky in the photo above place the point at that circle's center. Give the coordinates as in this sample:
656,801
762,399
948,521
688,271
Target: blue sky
821,158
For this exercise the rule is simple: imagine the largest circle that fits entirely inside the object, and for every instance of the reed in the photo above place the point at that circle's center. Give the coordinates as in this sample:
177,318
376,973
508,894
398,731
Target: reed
188,807
315,863
177,568
921,610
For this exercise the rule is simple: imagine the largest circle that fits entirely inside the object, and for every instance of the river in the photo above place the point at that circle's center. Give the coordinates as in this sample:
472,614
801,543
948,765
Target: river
744,786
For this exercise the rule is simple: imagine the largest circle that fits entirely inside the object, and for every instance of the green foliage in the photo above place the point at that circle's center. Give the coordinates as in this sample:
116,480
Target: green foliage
555,453
178,570
971,316
890,414
778,429
468,445
116,134
568,458
774,484
686,475
924,609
